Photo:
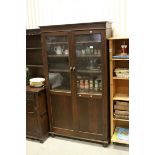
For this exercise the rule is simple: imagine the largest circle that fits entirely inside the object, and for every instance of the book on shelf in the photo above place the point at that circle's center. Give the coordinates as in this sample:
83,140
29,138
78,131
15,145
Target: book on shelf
122,103
122,112
121,117
121,134
121,107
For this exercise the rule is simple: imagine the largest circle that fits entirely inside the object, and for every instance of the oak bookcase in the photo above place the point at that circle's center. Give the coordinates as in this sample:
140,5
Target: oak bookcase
119,86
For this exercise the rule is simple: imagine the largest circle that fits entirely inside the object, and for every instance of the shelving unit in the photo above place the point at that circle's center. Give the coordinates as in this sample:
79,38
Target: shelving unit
36,102
34,60
119,86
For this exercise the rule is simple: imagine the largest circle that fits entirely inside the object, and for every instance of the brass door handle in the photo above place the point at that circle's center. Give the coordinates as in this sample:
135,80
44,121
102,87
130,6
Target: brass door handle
74,68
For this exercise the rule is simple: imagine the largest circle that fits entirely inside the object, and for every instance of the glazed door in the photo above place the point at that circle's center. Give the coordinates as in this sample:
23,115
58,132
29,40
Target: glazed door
59,81
58,53
88,63
89,83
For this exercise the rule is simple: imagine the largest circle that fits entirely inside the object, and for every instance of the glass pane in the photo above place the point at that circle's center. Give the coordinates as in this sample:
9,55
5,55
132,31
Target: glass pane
58,62
88,61
59,81
57,45
89,83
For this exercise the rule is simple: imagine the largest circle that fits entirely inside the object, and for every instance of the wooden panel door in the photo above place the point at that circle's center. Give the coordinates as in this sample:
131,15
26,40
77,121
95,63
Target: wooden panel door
62,111
90,119
59,81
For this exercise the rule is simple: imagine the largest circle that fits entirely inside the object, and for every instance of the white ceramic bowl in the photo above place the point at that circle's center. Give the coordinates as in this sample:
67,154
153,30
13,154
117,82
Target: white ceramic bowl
37,82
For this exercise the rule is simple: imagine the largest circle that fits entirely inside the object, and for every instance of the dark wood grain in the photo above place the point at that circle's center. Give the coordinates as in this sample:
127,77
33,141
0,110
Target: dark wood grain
34,56
72,114
62,112
36,114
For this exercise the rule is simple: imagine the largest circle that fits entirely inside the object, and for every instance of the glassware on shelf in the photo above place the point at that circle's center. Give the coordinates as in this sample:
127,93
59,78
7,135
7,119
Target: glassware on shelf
78,85
100,85
66,52
88,50
91,85
95,52
58,50
99,52
83,52
91,50
96,85
82,86
86,86
123,49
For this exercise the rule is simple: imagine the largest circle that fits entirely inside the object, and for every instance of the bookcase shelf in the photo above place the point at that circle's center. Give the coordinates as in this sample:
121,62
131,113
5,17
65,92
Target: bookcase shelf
119,89
124,120
119,141
119,59
34,60
120,78
121,97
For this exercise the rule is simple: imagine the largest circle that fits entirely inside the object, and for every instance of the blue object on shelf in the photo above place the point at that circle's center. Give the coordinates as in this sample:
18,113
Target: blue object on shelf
120,56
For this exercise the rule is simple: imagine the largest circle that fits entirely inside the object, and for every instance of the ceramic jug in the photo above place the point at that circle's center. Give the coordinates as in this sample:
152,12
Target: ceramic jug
58,50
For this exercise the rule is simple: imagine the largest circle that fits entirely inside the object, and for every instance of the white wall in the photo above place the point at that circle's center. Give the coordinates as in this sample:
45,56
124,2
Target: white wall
54,12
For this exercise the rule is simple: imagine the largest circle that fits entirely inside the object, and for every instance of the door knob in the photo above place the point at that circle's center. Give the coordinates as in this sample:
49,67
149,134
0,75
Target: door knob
71,68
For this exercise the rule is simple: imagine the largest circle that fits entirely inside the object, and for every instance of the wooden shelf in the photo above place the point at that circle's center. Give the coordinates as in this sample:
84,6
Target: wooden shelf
119,59
59,70
123,120
89,71
89,93
58,56
38,66
60,92
34,48
120,133
117,78
90,55
34,89
119,141
121,97
87,42
118,38
56,43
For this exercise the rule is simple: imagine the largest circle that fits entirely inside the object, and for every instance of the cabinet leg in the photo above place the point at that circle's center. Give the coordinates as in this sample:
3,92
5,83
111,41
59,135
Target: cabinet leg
105,144
41,141
52,135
